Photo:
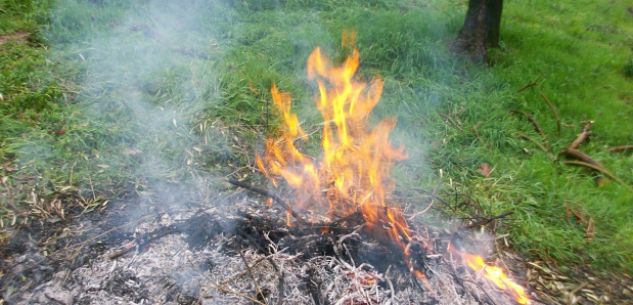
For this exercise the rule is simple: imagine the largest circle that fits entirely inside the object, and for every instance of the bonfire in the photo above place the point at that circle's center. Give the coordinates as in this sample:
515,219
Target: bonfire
350,177
328,230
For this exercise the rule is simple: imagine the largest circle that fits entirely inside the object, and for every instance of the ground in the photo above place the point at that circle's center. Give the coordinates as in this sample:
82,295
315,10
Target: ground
101,100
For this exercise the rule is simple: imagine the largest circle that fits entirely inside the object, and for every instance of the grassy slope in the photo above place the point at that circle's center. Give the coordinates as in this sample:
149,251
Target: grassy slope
460,114
49,150
578,56
579,50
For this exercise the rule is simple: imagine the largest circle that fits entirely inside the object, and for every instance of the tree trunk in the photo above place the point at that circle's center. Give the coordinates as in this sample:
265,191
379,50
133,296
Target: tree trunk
481,29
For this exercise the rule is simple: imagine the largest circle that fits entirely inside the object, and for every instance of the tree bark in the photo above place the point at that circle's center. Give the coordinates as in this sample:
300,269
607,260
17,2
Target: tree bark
481,29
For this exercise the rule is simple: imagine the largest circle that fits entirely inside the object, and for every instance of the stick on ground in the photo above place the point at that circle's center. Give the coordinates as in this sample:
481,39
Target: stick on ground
266,193
554,110
529,85
601,170
537,143
260,294
581,156
582,136
621,148
531,119
486,221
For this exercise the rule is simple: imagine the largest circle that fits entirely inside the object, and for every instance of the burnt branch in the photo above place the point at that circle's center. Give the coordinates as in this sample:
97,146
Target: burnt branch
268,194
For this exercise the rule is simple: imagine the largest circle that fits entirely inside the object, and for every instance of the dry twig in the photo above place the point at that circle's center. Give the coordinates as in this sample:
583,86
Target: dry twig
582,136
584,160
529,85
235,293
532,120
601,170
486,221
258,289
554,110
537,143
268,194
581,156
621,148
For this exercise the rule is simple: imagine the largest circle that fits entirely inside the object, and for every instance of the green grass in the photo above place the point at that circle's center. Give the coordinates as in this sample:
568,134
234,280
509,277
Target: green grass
453,116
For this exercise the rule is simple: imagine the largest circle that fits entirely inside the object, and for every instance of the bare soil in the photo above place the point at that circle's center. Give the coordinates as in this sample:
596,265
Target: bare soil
19,36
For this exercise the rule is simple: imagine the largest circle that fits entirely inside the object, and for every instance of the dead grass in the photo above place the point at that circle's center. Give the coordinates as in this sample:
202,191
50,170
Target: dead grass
19,37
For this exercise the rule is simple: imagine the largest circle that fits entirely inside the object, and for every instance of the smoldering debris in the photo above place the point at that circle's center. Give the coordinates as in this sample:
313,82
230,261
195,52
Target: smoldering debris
204,256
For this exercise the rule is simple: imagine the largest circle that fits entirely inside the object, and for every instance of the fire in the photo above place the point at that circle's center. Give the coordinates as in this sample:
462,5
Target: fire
351,174
496,275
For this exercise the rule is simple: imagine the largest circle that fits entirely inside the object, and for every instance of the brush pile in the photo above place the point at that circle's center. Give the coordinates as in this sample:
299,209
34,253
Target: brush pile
246,255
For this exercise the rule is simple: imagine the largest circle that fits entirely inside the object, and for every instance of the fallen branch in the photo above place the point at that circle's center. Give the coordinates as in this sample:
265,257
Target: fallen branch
268,194
529,85
621,148
582,136
143,240
235,293
258,289
126,248
537,143
581,156
584,160
428,207
531,119
554,111
600,169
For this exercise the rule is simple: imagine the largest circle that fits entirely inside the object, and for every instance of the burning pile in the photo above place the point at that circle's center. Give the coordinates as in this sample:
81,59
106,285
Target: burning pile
351,175
343,242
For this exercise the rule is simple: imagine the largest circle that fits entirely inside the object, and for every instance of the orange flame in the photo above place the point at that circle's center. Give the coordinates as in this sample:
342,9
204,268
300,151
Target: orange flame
497,276
352,173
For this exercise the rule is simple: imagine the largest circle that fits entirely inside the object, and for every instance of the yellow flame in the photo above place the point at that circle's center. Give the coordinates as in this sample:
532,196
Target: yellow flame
353,170
497,276
352,173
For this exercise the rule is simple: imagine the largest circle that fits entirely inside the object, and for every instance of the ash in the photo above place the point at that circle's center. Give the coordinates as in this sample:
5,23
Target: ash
201,257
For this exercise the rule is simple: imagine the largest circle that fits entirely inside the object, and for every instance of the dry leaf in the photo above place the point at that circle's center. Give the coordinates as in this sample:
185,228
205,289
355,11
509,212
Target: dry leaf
585,220
485,170
131,151
590,232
